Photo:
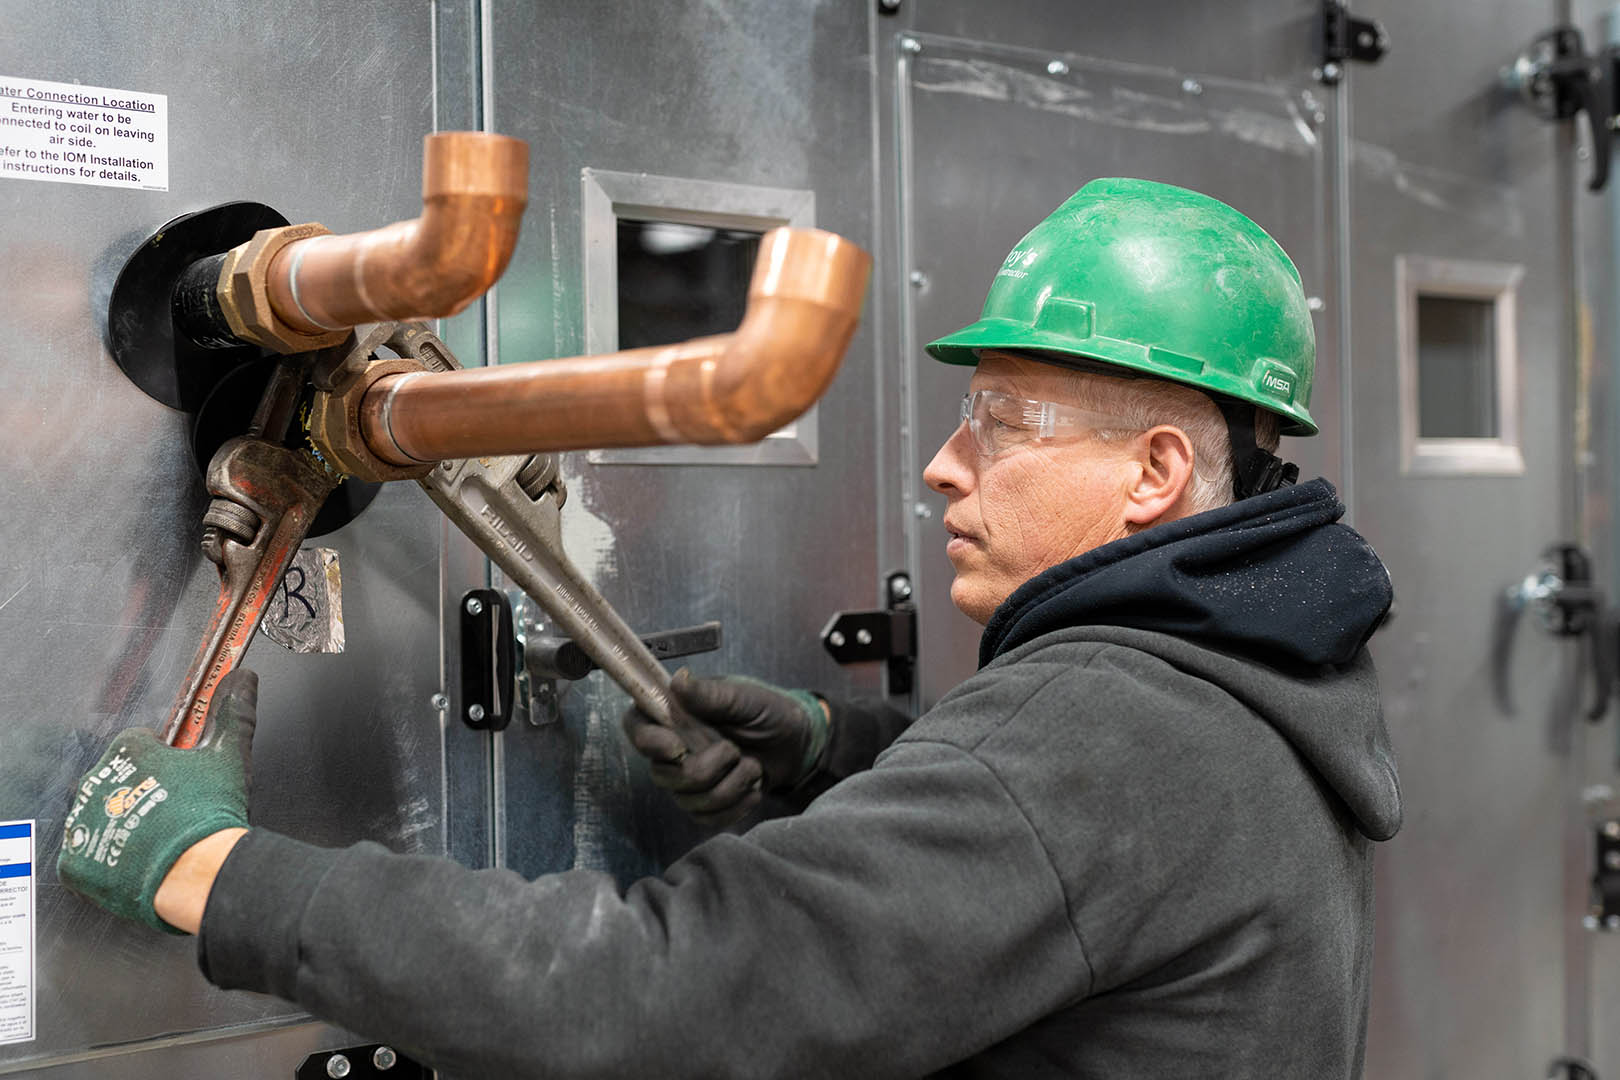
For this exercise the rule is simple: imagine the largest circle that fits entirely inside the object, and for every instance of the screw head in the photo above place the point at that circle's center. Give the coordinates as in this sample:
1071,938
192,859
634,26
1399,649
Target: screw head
1611,922
1611,860
337,1066
863,636
888,7
1590,922
383,1058
1611,829
836,639
923,510
900,588
1057,67
911,45
440,702
475,606
1192,86
1330,70
475,713
918,279
1315,303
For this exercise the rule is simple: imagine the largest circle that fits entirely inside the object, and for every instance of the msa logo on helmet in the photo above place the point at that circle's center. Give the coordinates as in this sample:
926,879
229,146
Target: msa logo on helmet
1277,384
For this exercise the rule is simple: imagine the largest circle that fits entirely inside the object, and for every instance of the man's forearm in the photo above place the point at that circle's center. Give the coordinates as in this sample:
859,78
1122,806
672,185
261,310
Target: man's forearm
183,895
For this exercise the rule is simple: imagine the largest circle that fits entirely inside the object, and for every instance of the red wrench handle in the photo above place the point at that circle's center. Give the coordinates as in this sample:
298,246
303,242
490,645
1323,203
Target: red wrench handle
265,498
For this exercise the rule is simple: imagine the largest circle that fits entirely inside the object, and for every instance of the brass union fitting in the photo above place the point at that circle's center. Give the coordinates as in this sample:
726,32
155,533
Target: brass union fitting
244,297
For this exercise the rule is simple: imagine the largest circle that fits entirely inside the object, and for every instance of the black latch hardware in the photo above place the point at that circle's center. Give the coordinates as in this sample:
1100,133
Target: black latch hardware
1560,80
370,1062
1345,37
1561,594
889,634
1565,1067
562,658
1604,913
488,660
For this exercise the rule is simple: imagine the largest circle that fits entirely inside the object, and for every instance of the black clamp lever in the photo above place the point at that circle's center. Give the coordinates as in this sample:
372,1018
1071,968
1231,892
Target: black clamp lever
1560,80
1565,601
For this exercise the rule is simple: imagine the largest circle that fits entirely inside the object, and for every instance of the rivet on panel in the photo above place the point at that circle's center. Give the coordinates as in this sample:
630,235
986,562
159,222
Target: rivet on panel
1057,67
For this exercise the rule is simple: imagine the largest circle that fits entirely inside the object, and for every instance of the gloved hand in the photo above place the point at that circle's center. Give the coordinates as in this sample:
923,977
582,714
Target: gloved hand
768,737
144,803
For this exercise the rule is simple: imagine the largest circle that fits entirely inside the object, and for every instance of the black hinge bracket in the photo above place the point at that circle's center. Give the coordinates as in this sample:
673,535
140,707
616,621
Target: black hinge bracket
1346,38
1604,913
372,1061
488,660
888,634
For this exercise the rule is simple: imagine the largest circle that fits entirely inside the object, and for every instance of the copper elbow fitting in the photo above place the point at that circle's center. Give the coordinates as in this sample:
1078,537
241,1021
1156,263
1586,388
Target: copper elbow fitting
804,302
474,189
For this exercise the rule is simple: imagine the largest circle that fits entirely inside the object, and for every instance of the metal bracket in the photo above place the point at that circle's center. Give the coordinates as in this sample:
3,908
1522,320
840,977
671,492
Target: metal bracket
362,1063
488,654
890,634
1605,910
1559,79
565,658
1345,37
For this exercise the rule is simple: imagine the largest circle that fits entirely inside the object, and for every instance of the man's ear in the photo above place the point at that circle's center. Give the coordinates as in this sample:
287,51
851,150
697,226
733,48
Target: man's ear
1164,462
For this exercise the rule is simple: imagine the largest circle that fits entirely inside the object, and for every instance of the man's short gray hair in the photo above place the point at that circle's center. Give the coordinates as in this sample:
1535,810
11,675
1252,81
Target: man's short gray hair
1143,403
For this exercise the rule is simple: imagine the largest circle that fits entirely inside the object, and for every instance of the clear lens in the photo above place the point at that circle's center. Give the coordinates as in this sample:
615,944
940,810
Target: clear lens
1000,422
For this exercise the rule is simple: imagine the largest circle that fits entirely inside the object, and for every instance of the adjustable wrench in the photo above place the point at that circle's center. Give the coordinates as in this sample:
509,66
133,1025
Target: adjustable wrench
265,497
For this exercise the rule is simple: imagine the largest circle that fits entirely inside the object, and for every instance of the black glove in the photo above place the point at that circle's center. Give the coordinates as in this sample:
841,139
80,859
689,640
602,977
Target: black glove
767,737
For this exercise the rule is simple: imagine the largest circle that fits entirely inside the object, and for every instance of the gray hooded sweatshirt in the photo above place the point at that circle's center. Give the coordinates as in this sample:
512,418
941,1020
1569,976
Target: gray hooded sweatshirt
1135,844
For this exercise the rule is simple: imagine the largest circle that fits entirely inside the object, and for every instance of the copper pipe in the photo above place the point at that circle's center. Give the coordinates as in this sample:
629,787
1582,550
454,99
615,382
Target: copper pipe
803,304
474,188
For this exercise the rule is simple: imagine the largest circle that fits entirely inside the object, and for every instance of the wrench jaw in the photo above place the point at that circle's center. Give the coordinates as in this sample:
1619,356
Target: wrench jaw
265,499
511,508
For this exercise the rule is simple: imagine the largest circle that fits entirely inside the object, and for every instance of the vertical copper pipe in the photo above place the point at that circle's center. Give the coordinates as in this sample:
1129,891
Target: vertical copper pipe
803,305
474,188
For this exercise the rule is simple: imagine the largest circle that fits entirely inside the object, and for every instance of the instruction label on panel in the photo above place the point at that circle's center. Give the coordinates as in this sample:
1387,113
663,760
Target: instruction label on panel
16,931
76,134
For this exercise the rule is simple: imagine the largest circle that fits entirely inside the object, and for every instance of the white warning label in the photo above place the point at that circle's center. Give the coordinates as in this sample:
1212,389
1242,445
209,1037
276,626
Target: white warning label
16,931
76,134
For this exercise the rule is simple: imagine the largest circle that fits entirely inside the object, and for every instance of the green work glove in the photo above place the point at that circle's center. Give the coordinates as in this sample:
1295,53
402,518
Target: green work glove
144,803
766,734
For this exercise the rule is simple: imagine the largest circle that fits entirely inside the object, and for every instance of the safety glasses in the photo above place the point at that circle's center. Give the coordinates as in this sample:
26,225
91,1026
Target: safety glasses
1000,422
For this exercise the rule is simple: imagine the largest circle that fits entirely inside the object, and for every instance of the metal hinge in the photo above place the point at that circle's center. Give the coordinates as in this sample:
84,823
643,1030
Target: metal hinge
362,1063
1345,37
888,634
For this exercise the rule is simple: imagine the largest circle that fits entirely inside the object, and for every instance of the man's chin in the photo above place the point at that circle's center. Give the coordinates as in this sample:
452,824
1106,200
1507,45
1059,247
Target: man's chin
971,602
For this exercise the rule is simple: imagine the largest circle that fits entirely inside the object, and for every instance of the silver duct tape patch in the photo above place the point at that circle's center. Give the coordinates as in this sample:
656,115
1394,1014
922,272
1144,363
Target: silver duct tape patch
306,613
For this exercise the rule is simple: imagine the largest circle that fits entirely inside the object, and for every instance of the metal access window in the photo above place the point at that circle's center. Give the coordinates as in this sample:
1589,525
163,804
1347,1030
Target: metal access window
1457,322
667,259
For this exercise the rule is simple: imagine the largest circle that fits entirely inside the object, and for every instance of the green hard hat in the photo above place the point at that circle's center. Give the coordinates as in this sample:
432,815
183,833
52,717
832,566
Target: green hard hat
1160,280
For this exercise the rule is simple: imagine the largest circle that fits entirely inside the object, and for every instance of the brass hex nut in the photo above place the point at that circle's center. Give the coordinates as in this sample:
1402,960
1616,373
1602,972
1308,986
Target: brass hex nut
244,296
334,426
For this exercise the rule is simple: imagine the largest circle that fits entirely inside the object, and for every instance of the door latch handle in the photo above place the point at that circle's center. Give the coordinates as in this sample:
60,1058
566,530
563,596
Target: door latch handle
1562,597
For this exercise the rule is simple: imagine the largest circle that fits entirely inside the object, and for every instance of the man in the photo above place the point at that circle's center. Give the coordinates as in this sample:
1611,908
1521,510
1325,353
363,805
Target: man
1134,844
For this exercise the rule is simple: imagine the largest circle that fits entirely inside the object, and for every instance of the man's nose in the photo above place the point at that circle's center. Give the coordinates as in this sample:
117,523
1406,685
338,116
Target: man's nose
951,471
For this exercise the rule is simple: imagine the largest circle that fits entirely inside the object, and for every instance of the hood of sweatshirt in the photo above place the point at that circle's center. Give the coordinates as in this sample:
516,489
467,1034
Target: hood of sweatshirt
1272,583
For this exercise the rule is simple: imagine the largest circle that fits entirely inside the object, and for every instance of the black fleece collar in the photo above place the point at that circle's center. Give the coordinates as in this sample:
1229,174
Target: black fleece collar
1271,577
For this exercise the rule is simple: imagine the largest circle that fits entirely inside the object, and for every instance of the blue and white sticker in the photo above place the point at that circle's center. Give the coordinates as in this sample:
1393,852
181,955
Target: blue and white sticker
16,931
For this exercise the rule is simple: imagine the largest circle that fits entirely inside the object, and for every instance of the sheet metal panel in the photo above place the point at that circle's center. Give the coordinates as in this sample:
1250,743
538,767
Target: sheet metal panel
318,111
773,95
1476,896
1597,450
